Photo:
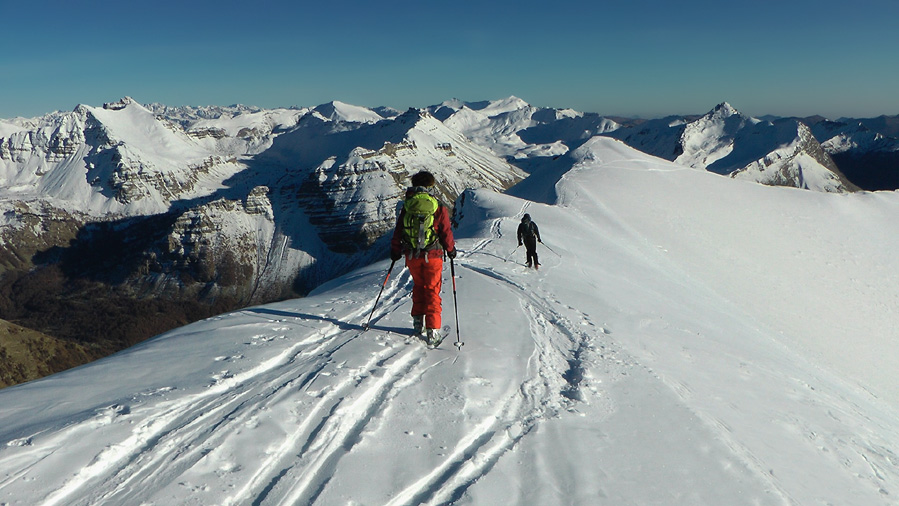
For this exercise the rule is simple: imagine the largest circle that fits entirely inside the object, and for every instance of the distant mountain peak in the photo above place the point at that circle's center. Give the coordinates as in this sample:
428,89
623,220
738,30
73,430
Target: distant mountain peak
341,111
723,110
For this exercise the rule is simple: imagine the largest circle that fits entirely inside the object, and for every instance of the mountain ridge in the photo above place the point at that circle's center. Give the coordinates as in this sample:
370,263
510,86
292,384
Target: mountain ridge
225,206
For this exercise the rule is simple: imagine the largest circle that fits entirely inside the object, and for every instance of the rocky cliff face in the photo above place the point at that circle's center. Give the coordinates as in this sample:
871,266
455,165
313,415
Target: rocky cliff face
870,158
801,162
220,246
346,180
29,228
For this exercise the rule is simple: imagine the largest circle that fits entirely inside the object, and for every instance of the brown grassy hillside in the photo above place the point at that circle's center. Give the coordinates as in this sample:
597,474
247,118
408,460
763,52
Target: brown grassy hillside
27,354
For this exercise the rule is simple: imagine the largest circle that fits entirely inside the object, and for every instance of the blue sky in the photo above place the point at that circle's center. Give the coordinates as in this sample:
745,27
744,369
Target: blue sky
646,58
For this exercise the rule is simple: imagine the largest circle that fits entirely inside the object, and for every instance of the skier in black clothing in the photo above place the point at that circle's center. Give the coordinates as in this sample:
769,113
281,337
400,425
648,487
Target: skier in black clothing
529,234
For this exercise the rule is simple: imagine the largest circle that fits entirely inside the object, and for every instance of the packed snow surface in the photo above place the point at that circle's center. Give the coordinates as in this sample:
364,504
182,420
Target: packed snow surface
688,339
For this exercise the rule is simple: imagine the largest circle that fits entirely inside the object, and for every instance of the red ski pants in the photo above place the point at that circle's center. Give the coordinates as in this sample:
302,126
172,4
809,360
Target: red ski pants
427,279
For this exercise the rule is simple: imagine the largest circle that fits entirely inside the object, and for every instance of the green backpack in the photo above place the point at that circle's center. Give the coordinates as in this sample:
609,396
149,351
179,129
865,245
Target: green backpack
418,222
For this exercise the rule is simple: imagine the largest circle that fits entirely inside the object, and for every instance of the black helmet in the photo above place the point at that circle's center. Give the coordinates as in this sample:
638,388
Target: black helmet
526,218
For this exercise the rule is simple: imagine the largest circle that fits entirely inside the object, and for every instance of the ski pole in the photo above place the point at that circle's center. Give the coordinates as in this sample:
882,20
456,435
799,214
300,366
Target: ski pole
458,342
365,327
547,247
510,254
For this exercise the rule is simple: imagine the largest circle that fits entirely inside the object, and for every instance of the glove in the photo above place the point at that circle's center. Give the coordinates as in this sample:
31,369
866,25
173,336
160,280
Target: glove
396,255
451,254
519,243
538,240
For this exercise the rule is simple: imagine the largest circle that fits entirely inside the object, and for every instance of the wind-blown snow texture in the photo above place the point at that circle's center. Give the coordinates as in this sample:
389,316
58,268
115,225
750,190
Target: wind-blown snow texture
690,339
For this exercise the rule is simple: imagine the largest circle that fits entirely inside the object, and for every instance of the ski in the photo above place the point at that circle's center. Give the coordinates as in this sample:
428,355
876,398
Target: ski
423,337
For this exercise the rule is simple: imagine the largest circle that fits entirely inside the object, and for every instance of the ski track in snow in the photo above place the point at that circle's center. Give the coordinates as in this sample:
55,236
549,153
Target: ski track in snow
342,414
178,437
181,433
553,383
160,449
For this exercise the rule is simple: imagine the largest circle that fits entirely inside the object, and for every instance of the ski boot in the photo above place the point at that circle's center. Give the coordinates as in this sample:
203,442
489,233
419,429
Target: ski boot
418,325
433,337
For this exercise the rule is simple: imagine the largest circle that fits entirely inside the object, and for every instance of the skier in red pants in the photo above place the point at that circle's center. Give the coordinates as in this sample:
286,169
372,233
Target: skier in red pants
423,233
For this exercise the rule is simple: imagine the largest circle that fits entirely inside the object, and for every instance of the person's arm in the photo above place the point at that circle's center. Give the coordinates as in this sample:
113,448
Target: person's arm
396,242
444,230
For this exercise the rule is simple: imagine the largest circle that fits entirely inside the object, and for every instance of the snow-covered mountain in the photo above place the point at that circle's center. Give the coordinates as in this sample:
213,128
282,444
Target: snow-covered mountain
674,348
724,141
736,141
212,208
513,128
124,160
216,206
343,112
868,156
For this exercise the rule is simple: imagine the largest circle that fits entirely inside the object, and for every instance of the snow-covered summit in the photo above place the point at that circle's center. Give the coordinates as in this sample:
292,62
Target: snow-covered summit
485,107
723,110
126,159
711,137
339,111
505,105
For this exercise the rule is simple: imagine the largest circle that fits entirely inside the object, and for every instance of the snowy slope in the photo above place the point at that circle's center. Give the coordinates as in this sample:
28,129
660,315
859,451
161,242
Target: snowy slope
675,348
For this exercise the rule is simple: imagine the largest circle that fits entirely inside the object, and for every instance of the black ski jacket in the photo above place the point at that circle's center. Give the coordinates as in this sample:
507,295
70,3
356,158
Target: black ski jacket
528,230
